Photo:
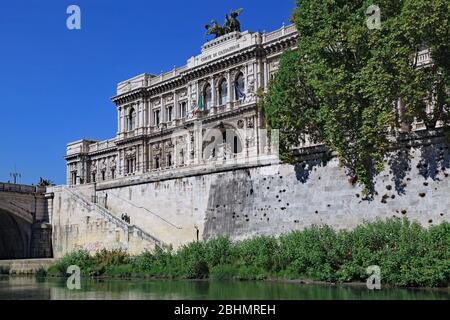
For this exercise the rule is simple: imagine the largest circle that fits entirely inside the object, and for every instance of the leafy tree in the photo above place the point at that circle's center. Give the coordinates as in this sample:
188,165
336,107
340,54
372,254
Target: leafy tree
343,83
291,104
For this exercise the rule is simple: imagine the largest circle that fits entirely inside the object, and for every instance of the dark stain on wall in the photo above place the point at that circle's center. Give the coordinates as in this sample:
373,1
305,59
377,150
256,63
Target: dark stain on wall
230,204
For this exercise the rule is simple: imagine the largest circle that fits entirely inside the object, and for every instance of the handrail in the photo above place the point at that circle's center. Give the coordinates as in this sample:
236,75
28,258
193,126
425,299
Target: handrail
113,219
149,211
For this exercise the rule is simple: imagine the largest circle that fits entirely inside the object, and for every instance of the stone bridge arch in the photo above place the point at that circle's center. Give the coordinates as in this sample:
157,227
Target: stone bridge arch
15,236
25,231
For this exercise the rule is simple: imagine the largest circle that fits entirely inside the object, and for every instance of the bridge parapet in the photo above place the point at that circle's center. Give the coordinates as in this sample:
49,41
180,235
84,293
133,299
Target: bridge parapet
21,188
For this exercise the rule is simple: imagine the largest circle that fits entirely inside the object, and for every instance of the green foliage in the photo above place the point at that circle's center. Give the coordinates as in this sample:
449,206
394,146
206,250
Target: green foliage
224,272
219,251
341,85
41,272
119,271
54,271
407,253
260,253
80,258
4,270
192,261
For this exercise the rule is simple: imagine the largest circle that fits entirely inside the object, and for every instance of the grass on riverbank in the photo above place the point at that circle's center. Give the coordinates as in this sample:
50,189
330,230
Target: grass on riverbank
407,253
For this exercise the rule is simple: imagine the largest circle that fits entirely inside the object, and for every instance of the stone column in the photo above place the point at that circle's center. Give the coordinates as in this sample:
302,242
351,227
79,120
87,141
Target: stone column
141,113
230,91
68,175
162,113
175,111
120,167
213,92
124,119
266,75
150,114
119,124
189,96
145,158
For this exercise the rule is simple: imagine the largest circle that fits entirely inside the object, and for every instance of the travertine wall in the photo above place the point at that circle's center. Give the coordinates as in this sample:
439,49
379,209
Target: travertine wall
273,199
24,228
79,224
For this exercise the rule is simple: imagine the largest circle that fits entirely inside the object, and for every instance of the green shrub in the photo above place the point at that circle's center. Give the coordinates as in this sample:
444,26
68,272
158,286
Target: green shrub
251,273
40,272
54,271
224,272
119,271
261,252
4,270
192,261
407,253
219,251
80,258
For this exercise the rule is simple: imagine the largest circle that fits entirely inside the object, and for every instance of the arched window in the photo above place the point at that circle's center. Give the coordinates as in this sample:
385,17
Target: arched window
239,87
207,97
131,119
223,92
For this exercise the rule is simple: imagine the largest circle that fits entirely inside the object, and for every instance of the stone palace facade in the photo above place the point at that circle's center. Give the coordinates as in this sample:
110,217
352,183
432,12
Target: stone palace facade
170,121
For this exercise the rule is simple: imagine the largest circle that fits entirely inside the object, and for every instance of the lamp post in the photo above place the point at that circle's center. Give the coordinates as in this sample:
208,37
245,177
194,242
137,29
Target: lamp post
14,176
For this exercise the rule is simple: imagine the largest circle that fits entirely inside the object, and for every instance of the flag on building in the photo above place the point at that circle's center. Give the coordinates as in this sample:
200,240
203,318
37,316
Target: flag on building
200,102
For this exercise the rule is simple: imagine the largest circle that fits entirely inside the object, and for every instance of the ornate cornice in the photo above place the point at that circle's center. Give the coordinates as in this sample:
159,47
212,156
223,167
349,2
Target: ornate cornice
232,60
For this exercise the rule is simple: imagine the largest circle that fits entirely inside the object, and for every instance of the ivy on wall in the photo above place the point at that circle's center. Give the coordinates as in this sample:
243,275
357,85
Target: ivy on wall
342,85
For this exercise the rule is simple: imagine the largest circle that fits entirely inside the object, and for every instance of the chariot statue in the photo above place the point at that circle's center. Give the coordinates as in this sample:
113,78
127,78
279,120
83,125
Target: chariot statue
231,24
214,29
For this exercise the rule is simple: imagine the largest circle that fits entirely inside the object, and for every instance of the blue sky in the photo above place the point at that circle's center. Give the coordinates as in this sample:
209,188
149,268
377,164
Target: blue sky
56,84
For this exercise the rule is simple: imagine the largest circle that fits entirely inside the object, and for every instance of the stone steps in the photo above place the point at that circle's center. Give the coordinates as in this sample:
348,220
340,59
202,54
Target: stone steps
110,217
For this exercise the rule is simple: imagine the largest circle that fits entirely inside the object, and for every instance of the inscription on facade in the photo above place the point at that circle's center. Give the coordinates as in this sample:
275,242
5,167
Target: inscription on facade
220,53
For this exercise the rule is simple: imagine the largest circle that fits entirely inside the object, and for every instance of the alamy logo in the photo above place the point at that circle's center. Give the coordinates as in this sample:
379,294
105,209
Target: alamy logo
74,281
73,22
374,281
373,20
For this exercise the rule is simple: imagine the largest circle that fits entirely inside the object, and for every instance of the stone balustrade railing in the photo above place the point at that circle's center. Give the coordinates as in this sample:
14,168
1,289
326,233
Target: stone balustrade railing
20,188
102,145
267,37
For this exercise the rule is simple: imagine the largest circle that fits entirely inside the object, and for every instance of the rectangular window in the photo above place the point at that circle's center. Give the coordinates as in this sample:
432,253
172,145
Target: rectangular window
131,166
183,109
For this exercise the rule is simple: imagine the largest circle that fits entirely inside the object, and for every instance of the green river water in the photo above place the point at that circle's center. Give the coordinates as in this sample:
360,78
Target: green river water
51,289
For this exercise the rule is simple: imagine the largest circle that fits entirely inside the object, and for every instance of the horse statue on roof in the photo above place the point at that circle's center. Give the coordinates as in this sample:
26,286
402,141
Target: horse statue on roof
232,24
214,29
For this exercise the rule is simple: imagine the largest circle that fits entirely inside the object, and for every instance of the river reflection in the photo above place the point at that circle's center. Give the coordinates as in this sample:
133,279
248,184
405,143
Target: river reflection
55,289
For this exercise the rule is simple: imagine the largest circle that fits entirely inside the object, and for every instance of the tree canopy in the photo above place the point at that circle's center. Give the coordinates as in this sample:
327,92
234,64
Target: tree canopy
341,86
